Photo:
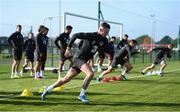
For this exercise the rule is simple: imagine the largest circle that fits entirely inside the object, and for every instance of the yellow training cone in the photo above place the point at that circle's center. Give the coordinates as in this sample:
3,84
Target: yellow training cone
60,88
26,92
41,89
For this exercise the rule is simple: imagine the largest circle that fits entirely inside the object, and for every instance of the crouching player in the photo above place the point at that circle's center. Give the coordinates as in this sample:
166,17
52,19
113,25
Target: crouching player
159,59
122,58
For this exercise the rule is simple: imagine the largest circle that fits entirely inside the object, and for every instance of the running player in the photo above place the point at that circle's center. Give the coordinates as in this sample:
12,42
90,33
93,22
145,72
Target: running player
159,59
92,41
16,41
45,44
63,38
29,47
121,58
123,42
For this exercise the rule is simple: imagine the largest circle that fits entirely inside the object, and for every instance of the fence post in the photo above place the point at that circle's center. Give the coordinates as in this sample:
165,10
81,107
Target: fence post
143,56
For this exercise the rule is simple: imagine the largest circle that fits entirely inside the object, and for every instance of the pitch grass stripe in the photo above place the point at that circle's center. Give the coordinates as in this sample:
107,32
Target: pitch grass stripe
13,96
128,78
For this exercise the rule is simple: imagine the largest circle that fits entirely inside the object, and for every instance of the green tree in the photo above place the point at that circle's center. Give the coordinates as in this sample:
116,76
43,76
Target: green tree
165,40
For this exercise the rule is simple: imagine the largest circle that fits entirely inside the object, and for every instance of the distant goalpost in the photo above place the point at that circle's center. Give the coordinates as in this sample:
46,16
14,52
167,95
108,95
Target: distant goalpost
116,27
80,23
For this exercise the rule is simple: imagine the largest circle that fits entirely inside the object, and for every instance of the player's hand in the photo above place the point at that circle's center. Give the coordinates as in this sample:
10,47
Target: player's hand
148,51
68,52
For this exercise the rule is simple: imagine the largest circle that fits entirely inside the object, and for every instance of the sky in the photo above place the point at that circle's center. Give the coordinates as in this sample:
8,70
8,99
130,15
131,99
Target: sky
134,14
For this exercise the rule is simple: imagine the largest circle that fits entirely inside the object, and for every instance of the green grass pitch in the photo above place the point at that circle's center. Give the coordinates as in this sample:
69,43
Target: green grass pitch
139,93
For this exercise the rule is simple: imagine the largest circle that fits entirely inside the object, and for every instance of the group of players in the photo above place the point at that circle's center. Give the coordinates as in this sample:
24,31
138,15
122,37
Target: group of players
92,42
39,44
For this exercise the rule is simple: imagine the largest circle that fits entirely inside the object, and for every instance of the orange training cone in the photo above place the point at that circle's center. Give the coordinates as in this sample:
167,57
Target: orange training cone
113,78
106,79
119,78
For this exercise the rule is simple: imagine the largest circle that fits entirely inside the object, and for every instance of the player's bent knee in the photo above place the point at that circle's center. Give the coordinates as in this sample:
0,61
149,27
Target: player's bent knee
91,74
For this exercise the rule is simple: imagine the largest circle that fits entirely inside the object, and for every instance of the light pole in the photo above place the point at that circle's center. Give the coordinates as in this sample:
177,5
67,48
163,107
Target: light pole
153,29
59,16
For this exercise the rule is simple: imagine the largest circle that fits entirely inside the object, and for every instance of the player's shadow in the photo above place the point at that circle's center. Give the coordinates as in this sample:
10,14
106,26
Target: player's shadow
26,102
4,72
89,93
9,93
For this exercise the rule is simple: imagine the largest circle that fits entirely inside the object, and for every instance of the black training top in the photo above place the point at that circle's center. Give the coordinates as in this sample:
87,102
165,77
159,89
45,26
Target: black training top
125,51
80,44
41,43
16,41
162,51
29,45
92,42
64,39
122,43
111,46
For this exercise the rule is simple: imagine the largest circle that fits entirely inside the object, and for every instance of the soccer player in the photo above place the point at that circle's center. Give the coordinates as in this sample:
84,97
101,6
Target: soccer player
40,50
45,43
92,41
63,38
159,59
16,41
123,42
111,49
29,47
121,58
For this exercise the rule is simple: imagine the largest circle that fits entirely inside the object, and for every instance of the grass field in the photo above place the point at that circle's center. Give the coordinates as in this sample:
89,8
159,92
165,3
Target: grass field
139,93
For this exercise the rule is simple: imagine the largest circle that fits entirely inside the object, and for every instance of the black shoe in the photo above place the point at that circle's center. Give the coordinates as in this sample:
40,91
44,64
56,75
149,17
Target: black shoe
98,79
142,73
124,77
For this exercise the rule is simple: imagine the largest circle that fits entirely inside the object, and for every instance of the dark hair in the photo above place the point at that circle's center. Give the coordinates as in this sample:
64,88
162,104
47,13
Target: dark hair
69,27
106,25
113,37
19,26
40,27
126,35
46,28
30,33
134,41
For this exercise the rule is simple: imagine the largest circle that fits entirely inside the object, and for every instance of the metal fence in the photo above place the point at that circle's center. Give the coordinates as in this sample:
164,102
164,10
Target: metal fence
54,57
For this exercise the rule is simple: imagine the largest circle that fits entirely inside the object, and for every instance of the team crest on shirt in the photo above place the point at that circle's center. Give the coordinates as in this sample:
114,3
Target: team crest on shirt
101,43
94,49
93,42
